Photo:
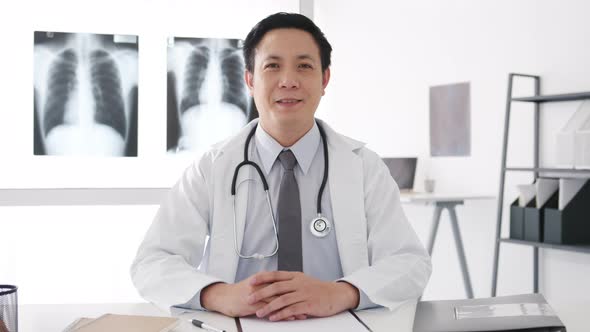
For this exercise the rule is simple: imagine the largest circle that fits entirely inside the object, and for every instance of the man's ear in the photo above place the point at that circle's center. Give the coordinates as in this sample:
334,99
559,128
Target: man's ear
249,78
325,80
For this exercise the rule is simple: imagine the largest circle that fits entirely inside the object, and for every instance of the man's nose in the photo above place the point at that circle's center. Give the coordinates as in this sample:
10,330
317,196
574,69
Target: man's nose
289,80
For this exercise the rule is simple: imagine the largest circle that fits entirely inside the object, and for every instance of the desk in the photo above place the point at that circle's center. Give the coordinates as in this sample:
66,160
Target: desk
449,202
55,317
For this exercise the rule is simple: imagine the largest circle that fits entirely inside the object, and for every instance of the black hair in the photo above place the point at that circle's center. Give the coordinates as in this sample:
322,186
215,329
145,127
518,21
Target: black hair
285,21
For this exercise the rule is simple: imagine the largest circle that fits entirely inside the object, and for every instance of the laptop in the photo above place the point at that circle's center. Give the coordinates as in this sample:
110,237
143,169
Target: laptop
403,171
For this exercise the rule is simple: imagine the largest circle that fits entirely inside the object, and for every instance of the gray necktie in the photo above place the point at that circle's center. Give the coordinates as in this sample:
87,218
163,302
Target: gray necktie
289,211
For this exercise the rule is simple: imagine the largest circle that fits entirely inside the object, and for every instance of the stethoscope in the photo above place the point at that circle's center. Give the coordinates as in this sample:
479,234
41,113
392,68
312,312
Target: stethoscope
319,226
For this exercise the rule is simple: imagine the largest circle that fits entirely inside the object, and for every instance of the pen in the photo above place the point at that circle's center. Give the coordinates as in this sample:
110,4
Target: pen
202,325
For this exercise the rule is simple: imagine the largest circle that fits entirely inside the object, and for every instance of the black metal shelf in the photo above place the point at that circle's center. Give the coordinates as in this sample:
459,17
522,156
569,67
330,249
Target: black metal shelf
550,170
554,98
576,248
537,99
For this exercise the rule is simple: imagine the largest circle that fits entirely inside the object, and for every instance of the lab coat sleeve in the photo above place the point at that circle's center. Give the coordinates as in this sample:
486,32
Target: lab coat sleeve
399,266
165,268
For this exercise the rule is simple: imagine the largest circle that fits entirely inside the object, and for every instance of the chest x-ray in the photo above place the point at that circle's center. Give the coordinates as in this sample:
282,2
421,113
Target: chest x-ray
85,88
208,99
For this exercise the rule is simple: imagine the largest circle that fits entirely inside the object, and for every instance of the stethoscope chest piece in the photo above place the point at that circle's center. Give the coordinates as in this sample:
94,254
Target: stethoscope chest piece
320,226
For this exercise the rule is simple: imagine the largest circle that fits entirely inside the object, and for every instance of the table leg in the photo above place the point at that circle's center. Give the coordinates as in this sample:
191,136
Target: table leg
460,251
434,228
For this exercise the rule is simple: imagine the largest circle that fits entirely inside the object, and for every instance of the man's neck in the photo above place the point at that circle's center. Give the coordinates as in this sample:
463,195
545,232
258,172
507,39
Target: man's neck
286,135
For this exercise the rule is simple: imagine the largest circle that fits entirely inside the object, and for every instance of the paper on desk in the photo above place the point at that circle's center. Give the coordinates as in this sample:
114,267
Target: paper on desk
568,188
343,322
545,188
526,193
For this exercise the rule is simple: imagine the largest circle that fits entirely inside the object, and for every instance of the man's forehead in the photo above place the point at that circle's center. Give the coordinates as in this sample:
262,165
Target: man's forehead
283,43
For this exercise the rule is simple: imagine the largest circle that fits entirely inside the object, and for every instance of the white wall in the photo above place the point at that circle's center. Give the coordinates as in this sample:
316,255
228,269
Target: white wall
386,56
153,22
83,253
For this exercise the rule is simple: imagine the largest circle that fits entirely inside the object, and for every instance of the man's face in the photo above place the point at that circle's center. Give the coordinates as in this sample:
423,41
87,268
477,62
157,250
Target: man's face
287,83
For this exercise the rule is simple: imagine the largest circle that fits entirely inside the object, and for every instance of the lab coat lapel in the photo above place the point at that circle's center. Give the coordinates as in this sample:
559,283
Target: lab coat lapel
347,195
223,260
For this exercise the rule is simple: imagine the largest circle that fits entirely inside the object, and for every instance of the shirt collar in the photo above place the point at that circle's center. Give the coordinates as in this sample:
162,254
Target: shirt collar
304,149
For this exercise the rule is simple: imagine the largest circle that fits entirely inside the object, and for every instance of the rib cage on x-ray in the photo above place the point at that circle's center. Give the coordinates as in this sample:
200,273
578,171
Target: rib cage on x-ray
83,105
61,83
207,77
107,90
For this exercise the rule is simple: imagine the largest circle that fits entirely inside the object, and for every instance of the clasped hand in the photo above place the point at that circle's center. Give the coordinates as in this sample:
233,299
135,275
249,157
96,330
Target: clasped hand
280,295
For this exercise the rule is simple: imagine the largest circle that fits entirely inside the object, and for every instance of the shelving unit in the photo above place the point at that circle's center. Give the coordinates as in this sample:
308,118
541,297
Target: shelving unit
537,99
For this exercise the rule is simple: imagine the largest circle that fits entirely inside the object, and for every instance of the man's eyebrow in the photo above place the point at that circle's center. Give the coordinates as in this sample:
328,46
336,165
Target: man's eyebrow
299,57
272,57
305,57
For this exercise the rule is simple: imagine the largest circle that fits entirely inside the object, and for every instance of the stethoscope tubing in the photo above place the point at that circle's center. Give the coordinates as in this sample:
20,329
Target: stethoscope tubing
266,190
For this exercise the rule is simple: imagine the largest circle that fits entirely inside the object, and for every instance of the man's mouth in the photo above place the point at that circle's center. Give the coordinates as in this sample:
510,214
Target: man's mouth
288,101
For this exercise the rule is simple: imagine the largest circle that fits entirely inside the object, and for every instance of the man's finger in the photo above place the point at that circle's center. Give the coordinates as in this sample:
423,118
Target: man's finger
248,310
270,277
297,317
269,299
273,290
297,309
278,304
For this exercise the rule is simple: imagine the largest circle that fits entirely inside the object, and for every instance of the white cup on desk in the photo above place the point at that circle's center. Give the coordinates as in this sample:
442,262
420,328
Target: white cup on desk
429,185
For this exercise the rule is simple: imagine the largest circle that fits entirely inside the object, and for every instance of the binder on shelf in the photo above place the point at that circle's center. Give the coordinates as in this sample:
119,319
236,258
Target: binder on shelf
526,197
534,219
569,225
546,194
517,220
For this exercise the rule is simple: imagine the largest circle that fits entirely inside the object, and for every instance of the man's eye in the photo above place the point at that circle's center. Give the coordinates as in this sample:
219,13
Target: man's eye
272,66
305,66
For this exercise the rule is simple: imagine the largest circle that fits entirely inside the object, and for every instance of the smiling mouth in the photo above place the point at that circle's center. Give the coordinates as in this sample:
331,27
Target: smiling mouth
288,101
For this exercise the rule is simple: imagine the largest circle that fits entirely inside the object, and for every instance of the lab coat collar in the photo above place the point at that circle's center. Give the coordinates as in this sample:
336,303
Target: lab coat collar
334,139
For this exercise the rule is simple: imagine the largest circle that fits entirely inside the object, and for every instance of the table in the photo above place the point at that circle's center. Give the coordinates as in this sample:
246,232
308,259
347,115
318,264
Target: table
449,202
55,317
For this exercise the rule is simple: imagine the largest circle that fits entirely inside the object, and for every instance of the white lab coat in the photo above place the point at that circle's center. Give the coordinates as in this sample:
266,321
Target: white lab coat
379,251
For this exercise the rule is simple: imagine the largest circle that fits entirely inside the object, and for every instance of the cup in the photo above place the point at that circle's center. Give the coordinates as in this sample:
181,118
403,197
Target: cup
429,185
8,309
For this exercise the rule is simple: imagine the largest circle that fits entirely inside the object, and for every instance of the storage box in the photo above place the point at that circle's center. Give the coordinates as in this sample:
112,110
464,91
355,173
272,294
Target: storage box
572,224
516,221
534,219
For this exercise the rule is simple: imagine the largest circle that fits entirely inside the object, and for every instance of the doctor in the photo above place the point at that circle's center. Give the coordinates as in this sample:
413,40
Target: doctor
329,234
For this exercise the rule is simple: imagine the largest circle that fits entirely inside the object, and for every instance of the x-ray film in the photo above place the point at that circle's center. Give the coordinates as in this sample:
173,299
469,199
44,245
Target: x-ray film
85,92
208,99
